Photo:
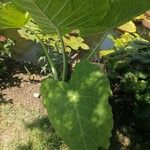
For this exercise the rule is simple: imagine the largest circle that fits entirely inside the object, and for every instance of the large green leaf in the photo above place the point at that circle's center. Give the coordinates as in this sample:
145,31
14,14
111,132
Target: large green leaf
65,14
90,16
121,11
12,17
79,110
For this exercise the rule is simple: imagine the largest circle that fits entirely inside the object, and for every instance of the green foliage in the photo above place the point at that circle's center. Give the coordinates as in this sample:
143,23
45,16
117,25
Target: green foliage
5,46
11,16
89,17
122,11
128,70
55,56
72,41
2,68
125,46
79,110
127,40
5,50
60,14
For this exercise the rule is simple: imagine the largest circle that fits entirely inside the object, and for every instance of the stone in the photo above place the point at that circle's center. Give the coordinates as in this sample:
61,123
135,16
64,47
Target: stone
36,95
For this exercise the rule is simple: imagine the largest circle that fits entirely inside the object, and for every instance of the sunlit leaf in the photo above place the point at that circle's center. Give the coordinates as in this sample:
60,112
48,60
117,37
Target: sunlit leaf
84,46
106,52
75,43
65,15
90,16
128,27
12,17
79,110
122,11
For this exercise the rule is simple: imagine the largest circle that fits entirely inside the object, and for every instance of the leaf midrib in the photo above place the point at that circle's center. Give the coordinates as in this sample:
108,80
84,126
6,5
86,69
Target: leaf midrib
45,15
80,126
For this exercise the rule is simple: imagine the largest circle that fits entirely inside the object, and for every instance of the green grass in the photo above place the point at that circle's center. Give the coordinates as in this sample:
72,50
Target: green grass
23,129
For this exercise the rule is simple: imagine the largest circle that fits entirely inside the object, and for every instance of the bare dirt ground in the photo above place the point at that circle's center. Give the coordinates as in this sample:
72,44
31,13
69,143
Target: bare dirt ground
24,124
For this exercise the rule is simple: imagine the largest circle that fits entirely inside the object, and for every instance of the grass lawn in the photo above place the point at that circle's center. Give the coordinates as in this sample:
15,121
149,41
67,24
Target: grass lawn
23,119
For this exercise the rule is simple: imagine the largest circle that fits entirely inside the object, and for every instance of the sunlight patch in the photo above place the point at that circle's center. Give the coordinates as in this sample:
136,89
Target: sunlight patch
73,96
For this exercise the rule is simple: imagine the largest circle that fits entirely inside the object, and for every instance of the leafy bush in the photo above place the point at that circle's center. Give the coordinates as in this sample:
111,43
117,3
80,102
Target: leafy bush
129,72
73,42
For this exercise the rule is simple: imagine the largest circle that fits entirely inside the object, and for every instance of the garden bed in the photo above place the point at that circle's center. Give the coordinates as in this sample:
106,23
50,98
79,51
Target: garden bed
24,122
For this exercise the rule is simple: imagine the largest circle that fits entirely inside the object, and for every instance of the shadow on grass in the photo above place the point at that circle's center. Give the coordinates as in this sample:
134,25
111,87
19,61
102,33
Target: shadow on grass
4,101
42,136
41,123
27,146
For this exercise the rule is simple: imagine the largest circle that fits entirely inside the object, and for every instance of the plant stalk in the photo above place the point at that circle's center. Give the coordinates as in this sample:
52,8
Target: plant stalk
51,63
65,59
97,46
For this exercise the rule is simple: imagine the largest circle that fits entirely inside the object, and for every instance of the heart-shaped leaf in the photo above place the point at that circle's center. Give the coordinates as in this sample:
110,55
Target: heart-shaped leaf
90,16
79,110
65,15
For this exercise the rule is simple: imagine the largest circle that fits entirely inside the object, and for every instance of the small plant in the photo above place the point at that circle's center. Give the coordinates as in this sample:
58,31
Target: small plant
5,50
5,45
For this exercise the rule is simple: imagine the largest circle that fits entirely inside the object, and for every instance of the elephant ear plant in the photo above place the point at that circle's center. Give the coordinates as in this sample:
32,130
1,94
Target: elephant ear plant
79,109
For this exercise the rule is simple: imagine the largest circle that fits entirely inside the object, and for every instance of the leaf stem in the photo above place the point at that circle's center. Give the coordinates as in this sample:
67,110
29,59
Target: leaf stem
97,46
65,62
51,63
